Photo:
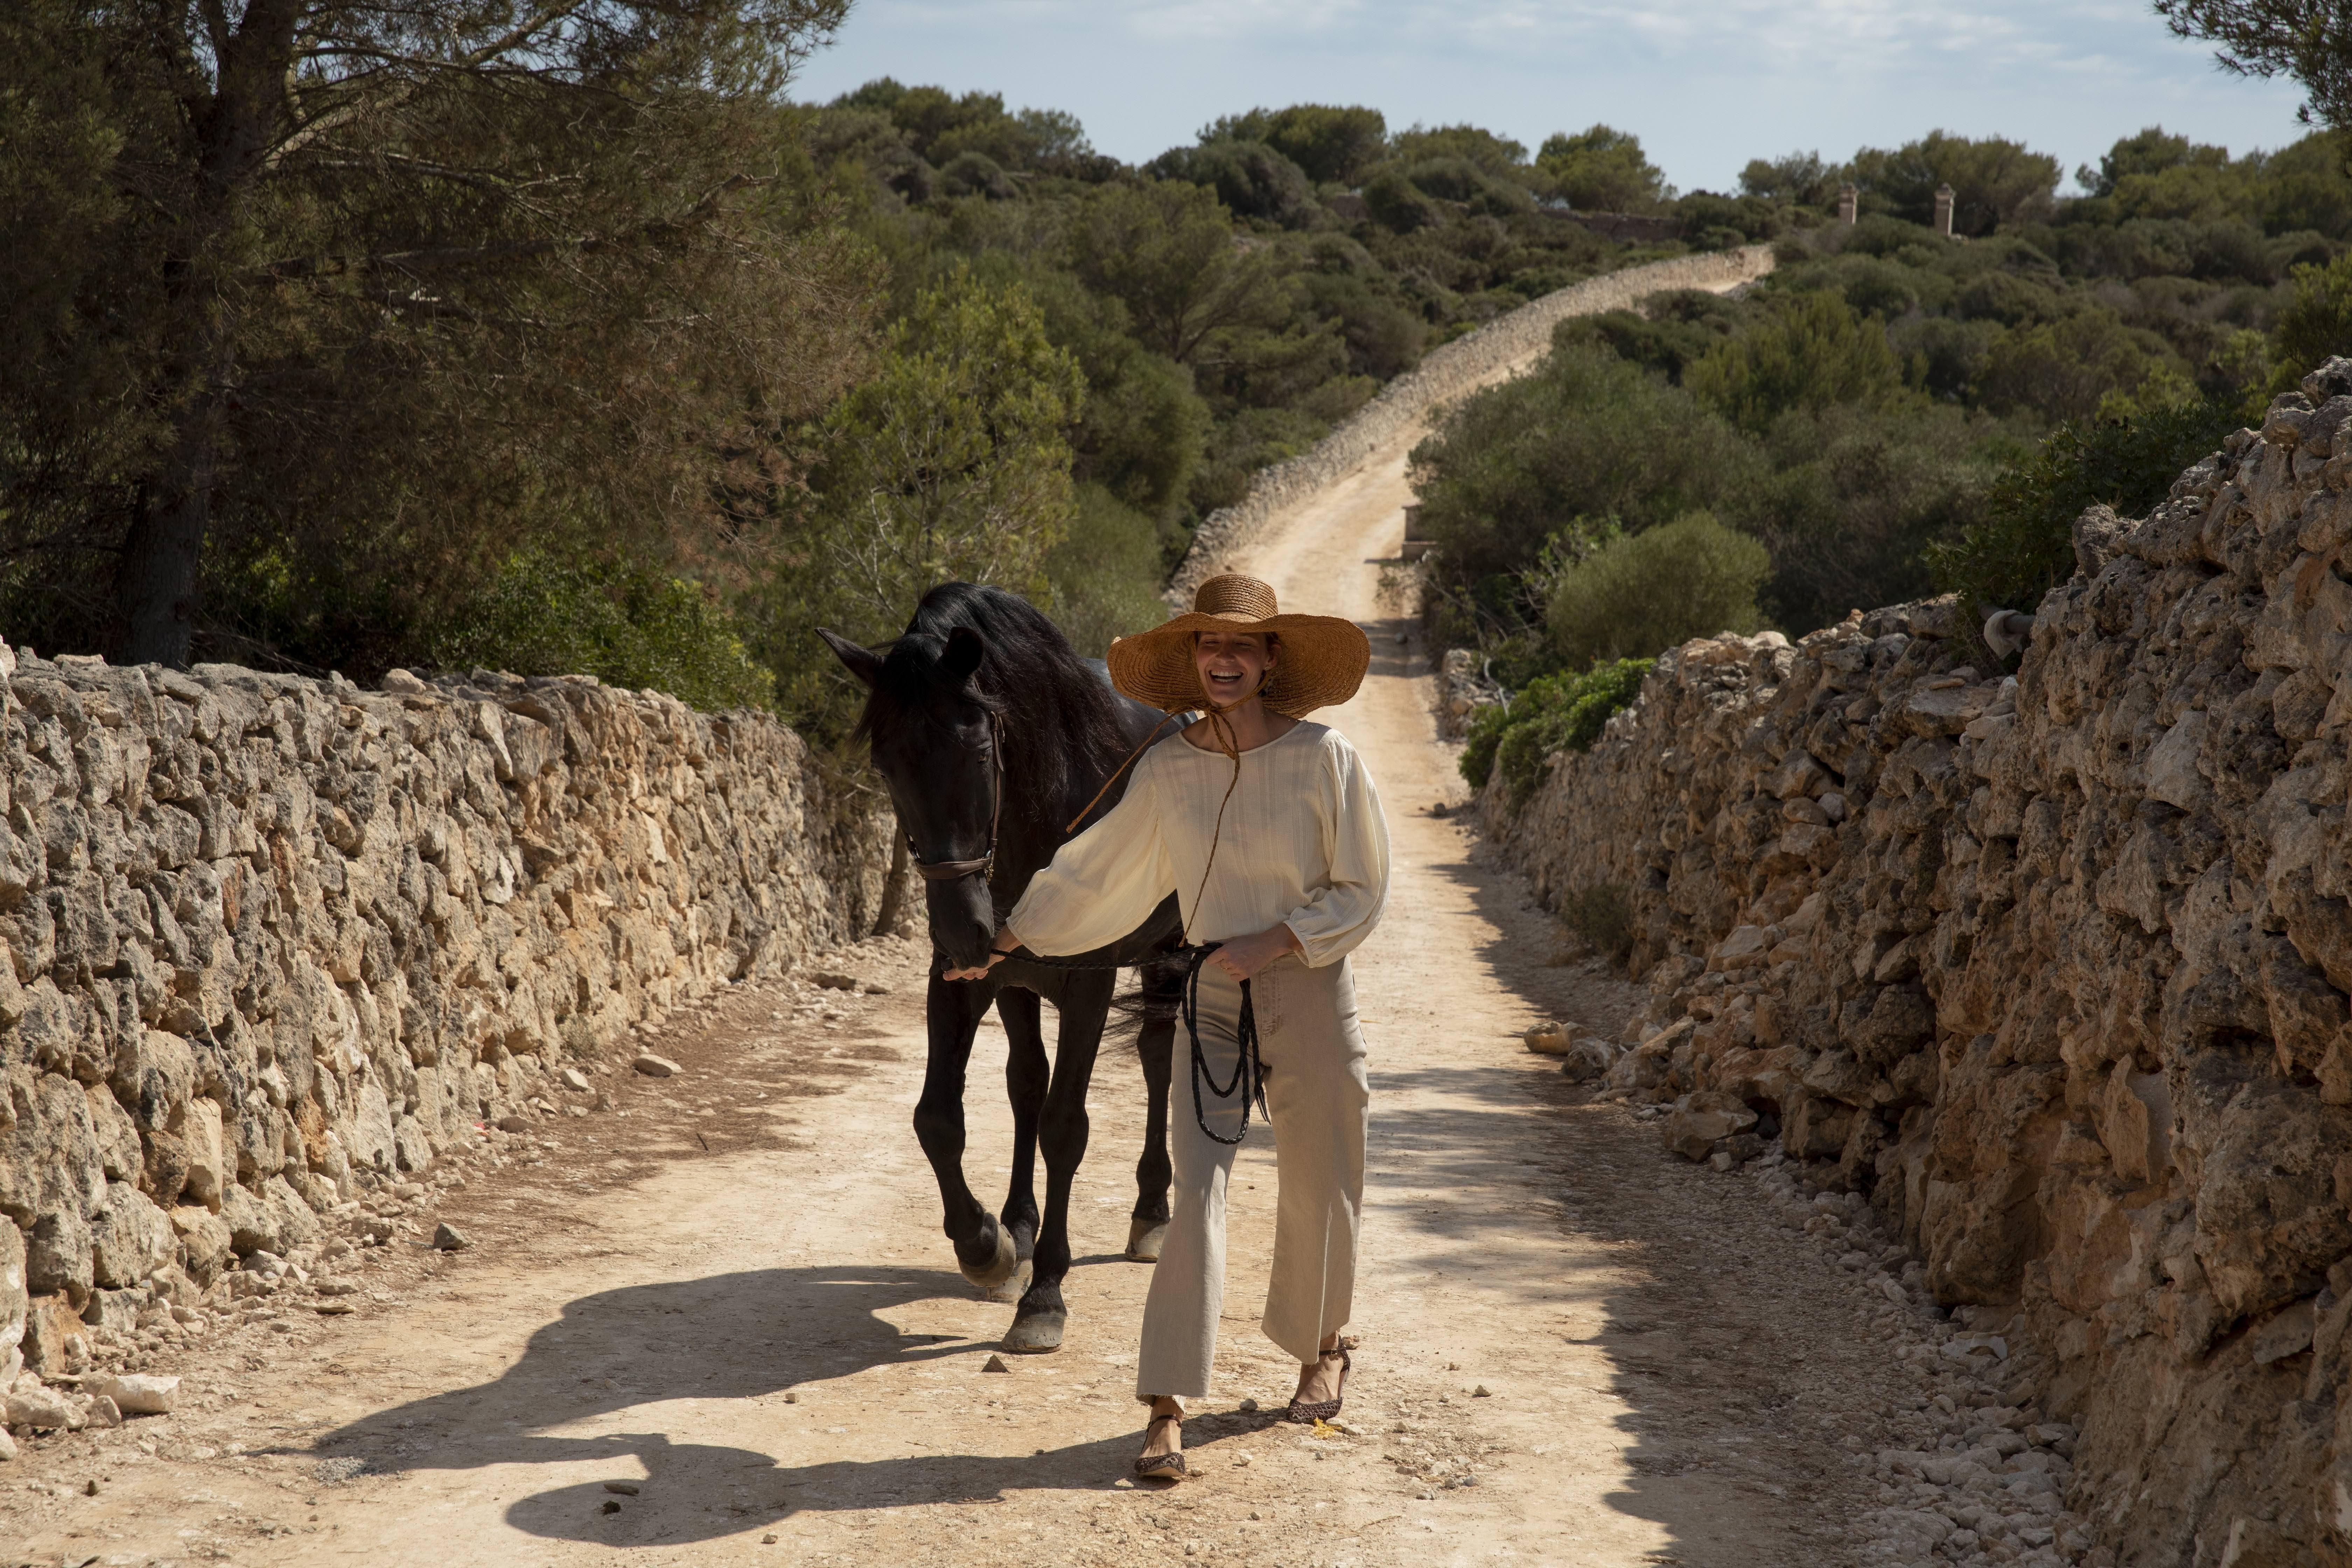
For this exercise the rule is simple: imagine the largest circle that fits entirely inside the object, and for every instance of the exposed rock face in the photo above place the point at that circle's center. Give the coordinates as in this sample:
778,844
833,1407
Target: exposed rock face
2053,970
264,930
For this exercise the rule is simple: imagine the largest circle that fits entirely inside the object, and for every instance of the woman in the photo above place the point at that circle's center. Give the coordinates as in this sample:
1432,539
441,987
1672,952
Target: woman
1268,831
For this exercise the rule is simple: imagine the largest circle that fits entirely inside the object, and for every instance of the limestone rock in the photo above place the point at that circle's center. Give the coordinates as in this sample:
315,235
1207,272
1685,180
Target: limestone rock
1550,1039
1699,1120
31,1404
654,1065
205,1241
132,1238
196,1125
15,1300
56,1342
137,1392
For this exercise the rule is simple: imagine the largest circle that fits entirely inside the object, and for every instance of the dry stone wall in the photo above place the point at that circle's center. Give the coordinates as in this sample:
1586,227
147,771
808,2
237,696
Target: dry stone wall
2052,970
1447,372
271,938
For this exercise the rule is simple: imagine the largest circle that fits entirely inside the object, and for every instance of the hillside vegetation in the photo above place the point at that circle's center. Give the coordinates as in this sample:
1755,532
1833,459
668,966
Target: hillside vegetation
550,349
1891,413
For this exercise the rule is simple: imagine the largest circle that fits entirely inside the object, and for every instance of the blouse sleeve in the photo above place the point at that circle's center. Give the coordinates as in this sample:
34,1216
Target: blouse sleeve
1102,884
1337,918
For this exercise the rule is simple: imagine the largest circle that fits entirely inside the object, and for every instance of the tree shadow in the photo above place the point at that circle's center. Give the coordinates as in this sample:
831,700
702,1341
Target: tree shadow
1724,1397
742,1337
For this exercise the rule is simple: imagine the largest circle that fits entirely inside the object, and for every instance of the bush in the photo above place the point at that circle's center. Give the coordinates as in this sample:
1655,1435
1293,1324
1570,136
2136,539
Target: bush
1102,573
1811,352
1672,329
1603,916
2061,370
1396,202
1857,494
1329,142
2315,323
2023,544
1555,712
1587,437
1251,178
1638,595
622,624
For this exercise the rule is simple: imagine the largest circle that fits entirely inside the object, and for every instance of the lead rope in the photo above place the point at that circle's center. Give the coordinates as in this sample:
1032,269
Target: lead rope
1249,1068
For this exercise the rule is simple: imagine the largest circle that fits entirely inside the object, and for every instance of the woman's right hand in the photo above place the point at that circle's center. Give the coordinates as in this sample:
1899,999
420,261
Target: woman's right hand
998,953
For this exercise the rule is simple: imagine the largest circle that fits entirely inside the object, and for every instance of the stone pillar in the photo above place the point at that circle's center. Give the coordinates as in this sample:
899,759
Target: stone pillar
1849,201
1944,197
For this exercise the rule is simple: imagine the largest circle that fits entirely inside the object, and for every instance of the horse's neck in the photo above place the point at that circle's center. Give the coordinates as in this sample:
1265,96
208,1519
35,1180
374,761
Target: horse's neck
1030,839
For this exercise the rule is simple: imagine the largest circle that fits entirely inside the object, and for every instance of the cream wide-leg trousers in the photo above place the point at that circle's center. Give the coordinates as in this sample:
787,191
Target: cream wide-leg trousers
1320,1100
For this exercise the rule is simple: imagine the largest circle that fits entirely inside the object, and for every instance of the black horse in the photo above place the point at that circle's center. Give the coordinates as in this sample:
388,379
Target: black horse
993,735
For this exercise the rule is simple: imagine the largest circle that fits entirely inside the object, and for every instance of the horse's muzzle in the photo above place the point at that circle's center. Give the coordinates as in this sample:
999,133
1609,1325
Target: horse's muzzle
962,921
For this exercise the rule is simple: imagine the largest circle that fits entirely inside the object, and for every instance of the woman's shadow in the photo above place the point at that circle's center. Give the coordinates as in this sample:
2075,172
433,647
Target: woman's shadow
744,1336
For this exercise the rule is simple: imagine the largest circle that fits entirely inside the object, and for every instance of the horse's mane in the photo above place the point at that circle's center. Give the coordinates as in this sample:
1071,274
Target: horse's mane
1061,719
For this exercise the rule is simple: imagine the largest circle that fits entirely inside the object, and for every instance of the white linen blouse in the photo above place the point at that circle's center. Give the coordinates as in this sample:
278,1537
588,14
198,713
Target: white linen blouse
1304,844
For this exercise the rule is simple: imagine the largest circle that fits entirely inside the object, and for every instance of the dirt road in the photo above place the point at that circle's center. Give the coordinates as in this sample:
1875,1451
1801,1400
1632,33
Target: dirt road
718,1322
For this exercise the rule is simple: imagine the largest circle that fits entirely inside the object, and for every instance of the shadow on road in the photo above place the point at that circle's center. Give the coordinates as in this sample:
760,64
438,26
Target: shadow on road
1723,1385
747,1336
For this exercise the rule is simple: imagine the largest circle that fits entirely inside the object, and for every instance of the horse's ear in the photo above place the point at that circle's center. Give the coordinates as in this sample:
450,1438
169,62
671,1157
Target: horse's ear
863,662
962,657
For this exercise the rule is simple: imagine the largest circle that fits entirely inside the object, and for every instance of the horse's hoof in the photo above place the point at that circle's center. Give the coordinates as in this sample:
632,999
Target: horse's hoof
1035,1334
1145,1238
997,1269
1012,1290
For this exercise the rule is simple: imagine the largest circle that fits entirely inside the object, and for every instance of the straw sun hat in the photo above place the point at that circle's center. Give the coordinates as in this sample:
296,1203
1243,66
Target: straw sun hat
1322,662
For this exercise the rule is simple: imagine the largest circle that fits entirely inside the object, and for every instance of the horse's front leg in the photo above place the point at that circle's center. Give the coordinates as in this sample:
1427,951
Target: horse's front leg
1084,1002
1026,1079
951,1014
1164,992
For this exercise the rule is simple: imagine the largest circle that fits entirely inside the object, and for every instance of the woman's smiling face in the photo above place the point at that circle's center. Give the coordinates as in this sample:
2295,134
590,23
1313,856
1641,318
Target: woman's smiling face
1232,664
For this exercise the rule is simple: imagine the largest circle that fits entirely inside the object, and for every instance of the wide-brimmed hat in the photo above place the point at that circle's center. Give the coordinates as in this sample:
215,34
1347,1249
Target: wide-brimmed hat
1322,662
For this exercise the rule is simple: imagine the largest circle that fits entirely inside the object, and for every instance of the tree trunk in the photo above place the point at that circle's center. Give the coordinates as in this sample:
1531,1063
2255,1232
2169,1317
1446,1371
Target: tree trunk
894,888
155,580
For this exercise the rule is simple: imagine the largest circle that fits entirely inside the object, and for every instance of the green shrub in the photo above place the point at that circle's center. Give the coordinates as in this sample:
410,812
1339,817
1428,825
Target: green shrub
1586,436
622,624
1603,916
1855,494
1554,714
2023,543
1812,352
1102,573
1672,329
1643,593
2063,370
2315,323
1396,202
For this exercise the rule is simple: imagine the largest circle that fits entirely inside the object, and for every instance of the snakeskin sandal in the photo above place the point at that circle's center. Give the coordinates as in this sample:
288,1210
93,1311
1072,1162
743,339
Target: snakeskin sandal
1307,1414
1161,1467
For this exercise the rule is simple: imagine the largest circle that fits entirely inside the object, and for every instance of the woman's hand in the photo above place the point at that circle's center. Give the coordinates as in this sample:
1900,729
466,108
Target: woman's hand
998,951
1243,956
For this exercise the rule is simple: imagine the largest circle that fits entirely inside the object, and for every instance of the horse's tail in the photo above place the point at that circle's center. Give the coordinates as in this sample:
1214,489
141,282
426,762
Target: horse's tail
1155,999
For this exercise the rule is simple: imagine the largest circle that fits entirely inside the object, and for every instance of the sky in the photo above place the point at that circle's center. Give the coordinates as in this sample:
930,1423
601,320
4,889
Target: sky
1705,87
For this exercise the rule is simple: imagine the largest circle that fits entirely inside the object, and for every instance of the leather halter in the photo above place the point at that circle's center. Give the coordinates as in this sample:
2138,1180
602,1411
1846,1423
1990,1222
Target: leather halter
985,867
